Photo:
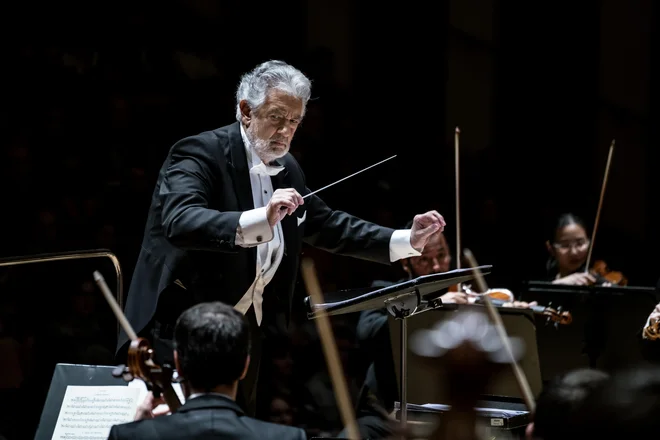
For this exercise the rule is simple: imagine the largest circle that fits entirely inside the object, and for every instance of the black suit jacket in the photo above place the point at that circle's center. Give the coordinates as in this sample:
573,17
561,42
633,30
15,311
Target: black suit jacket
201,191
205,417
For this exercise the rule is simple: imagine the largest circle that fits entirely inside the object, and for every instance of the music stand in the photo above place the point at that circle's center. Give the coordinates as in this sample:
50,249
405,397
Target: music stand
402,301
606,327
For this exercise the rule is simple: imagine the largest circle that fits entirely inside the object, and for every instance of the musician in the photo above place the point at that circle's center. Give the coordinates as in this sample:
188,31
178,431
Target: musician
380,391
212,354
227,220
568,246
560,401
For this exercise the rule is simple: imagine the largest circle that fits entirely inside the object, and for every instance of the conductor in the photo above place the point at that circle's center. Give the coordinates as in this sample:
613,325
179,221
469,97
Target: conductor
227,221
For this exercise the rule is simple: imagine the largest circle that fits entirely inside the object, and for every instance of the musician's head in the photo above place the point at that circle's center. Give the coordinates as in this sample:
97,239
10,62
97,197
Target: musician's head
561,400
627,406
435,258
568,243
270,104
212,348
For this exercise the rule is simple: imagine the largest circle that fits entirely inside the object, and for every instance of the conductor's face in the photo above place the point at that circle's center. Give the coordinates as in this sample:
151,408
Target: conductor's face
270,129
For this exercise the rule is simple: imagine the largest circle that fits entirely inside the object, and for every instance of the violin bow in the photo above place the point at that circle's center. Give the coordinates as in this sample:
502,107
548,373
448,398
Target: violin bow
600,206
100,281
169,394
521,379
458,200
329,344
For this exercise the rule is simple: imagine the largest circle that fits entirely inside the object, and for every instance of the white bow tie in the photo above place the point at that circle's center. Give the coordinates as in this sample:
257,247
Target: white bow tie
265,170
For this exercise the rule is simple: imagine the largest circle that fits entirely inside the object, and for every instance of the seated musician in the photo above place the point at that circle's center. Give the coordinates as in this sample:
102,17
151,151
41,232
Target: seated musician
211,354
380,389
568,245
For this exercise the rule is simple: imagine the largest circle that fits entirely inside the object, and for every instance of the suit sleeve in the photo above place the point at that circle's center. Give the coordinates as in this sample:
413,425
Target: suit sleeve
113,433
372,328
185,194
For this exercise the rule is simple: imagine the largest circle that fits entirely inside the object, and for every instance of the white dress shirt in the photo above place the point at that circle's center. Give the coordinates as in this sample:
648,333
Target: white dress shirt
254,230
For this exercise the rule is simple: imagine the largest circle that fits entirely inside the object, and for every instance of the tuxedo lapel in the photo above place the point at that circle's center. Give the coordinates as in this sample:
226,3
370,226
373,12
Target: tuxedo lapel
238,167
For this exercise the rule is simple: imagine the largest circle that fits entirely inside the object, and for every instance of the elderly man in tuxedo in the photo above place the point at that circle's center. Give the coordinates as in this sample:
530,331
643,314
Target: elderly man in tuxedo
228,219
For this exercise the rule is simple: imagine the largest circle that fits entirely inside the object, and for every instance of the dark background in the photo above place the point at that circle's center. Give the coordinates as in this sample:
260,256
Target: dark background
95,94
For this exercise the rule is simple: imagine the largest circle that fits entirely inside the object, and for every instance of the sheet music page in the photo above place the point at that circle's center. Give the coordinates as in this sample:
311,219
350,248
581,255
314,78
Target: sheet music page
88,412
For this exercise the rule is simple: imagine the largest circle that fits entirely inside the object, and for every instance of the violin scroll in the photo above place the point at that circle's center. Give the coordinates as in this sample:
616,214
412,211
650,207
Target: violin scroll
158,378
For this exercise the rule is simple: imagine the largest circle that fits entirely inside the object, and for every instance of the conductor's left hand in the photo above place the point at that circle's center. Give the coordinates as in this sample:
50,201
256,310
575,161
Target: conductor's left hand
425,225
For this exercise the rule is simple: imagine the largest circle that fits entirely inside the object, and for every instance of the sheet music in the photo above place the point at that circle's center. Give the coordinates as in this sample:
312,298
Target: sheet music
88,412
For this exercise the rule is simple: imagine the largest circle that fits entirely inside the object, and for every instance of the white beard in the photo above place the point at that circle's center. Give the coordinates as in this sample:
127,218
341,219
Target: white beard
262,147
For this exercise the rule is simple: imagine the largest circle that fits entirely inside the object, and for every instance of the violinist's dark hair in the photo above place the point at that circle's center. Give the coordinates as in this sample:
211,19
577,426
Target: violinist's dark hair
562,221
212,341
565,219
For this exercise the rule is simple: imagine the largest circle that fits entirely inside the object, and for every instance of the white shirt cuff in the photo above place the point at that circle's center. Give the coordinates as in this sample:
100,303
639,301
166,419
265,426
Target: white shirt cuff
253,228
400,246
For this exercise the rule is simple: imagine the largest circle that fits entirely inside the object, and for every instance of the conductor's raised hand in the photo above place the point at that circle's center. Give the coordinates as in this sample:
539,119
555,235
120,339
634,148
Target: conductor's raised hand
425,225
284,202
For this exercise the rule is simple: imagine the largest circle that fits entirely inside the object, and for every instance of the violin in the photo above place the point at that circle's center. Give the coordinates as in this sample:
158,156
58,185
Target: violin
603,274
558,316
140,364
498,294
652,332
500,297
140,361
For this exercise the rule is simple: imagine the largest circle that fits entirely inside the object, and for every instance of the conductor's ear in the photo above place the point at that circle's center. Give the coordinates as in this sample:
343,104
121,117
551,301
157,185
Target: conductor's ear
246,112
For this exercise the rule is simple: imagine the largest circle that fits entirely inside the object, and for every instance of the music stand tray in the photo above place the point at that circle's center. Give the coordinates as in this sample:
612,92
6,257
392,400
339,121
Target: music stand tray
402,301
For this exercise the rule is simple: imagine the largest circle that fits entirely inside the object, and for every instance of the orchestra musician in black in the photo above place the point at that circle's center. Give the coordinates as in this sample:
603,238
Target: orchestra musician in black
211,354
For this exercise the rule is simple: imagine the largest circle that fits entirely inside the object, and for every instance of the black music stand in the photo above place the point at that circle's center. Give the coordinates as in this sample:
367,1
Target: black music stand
606,324
402,301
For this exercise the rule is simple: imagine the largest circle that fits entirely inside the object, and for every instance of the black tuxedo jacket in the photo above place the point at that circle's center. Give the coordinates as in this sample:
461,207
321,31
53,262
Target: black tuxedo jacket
205,417
201,191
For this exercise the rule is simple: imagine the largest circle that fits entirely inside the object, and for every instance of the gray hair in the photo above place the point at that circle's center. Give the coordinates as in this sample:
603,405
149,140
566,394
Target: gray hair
255,85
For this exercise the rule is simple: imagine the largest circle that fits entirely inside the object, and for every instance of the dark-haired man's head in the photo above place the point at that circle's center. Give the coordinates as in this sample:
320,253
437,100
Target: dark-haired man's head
212,348
560,400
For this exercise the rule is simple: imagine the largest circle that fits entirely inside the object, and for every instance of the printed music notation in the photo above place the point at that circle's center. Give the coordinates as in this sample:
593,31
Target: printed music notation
88,412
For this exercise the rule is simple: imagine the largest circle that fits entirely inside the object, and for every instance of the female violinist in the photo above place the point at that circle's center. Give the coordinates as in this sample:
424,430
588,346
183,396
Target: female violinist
568,246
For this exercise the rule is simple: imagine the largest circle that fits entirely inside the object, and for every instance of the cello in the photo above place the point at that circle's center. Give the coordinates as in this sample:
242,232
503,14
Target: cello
140,362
